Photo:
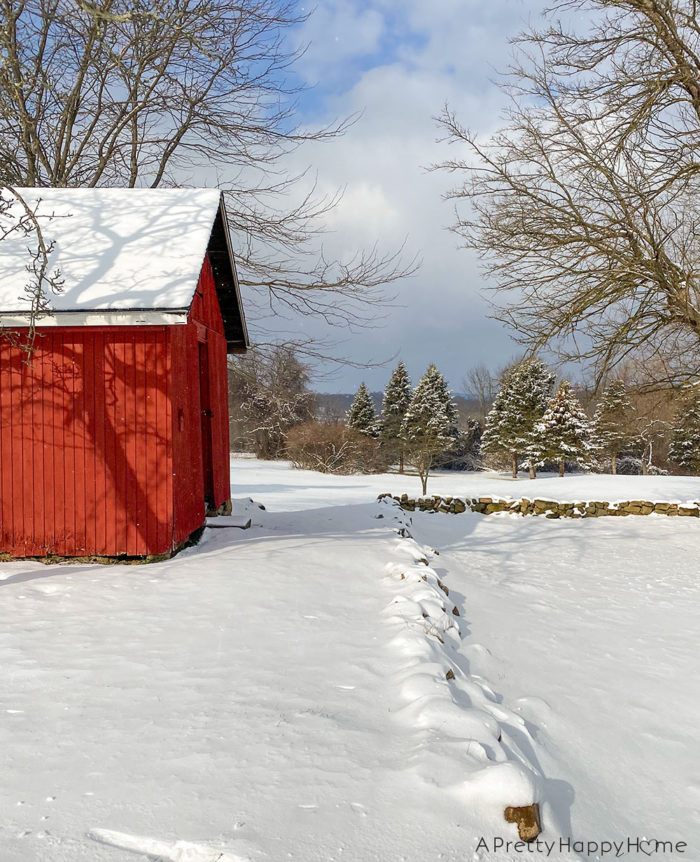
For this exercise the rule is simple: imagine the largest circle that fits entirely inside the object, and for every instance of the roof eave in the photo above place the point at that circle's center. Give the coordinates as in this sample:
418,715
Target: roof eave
227,284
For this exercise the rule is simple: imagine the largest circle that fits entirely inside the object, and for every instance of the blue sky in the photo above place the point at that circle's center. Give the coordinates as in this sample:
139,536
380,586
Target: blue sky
398,63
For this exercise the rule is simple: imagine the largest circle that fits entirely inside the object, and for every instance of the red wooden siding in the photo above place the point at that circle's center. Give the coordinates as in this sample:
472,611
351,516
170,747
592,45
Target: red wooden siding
101,440
205,311
84,466
188,493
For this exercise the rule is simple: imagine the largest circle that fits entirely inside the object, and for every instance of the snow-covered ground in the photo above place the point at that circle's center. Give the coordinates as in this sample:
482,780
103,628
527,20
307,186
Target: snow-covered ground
281,693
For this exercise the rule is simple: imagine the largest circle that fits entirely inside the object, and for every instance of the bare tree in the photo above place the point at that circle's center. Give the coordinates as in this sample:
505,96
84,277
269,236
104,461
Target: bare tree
124,93
269,394
585,205
482,384
17,216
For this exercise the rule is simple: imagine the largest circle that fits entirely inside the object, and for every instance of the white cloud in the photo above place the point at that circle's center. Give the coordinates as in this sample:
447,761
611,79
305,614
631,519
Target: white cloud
431,53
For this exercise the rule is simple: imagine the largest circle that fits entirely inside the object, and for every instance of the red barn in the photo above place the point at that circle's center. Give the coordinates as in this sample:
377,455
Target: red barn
114,439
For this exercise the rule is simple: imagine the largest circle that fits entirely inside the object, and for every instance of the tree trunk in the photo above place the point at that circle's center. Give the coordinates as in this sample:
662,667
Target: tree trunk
401,463
614,464
423,471
645,467
561,468
533,471
514,464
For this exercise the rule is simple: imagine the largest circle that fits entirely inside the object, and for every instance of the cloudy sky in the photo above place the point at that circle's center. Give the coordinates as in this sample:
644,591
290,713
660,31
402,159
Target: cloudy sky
398,62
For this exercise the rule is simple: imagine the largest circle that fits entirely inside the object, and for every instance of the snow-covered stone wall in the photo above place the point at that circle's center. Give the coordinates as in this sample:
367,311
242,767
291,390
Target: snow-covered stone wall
548,508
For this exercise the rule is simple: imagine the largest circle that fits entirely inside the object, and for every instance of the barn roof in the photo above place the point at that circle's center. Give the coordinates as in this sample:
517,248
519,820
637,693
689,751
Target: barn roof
126,256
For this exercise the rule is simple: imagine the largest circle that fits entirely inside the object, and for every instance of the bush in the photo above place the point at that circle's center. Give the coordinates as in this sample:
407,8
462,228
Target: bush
627,465
332,447
465,454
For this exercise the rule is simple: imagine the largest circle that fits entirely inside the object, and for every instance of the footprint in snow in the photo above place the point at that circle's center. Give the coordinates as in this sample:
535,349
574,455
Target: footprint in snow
164,851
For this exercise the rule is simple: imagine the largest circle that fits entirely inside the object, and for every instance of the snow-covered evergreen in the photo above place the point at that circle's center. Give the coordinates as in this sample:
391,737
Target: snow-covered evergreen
518,406
361,415
397,397
429,427
685,446
564,432
612,422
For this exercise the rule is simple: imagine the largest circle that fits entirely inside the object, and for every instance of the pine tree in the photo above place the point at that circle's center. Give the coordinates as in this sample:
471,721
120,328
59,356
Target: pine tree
518,406
429,427
612,421
685,445
361,415
397,397
564,433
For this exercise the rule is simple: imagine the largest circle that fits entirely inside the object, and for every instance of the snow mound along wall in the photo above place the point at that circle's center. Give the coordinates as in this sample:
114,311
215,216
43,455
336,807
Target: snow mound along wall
548,508
465,741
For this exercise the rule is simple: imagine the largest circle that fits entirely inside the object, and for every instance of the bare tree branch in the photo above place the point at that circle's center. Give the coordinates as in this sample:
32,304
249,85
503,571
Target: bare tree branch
584,206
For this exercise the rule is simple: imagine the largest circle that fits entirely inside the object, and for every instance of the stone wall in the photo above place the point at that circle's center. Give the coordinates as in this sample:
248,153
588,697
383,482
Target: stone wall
548,508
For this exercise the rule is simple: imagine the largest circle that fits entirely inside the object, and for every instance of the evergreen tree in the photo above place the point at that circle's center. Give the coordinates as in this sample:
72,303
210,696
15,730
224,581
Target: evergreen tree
518,406
685,445
612,421
564,433
361,415
397,397
429,427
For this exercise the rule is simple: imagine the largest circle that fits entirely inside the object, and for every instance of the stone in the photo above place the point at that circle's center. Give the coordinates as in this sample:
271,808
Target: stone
493,507
527,818
455,611
450,674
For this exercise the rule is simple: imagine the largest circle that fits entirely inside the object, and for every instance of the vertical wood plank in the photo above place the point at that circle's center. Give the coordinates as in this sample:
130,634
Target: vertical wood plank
164,465
6,496
130,419
120,503
99,421
110,446
77,428
139,514
87,425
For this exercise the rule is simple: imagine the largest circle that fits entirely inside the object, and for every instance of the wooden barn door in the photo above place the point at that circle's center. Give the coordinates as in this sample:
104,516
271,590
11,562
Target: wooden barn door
206,414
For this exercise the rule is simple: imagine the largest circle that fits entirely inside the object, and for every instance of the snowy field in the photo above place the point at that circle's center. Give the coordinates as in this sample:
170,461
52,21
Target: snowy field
281,693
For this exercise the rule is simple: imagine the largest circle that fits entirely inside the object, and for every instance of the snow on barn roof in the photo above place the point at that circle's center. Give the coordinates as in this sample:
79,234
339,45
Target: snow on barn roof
117,250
